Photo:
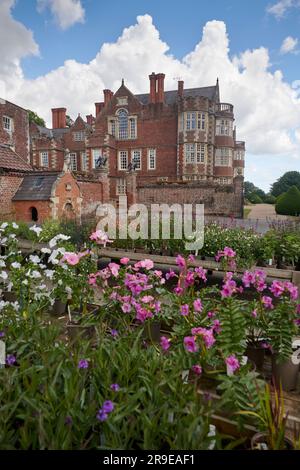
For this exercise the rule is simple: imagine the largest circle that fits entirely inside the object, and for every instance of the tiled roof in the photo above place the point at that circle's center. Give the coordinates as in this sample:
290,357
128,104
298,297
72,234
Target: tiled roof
10,160
171,96
36,186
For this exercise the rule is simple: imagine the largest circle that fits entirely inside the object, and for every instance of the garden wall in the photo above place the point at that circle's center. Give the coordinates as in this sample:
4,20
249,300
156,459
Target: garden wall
218,200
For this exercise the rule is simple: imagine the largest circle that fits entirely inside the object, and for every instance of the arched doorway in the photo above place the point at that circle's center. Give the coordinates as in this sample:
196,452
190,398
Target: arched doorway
34,215
69,212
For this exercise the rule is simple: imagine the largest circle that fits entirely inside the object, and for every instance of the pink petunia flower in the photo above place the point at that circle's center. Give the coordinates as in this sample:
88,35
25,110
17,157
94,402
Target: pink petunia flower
165,343
184,310
197,305
232,363
190,344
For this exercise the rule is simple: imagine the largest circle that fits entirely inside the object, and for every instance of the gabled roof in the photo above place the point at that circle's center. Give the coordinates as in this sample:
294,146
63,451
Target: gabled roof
36,186
172,96
10,160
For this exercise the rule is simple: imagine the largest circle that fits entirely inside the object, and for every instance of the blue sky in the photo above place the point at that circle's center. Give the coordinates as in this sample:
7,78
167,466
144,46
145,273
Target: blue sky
248,25
64,52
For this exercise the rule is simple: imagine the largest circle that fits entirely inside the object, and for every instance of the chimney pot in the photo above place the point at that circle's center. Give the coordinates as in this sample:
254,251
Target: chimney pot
59,118
180,88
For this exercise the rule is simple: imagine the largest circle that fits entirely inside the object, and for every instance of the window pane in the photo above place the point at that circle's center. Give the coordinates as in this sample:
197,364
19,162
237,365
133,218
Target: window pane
123,160
123,124
152,159
73,161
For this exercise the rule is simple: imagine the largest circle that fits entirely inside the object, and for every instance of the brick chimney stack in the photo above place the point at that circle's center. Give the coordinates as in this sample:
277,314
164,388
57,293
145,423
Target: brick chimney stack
89,119
59,118
152,79
180,88
108,94
160,95
99,107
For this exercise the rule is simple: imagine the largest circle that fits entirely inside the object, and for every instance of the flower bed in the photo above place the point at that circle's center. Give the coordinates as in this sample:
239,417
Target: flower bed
114,384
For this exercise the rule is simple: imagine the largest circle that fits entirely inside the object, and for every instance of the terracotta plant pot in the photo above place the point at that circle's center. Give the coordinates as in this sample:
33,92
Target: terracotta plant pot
285,372
257,355
58,309
259,442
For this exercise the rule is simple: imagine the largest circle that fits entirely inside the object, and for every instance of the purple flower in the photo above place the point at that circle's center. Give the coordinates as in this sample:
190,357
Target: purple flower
114,333
2,334
190,344
232,363
197,305
101,415
197,369
267,301
10,360
184,310
165,343
254,313
115,387
108,406
68,420
83,364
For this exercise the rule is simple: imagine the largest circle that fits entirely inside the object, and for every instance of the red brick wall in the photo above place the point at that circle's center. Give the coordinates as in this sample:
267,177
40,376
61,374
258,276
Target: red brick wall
66,191
8,187
20,135
23,212
92,196
218,200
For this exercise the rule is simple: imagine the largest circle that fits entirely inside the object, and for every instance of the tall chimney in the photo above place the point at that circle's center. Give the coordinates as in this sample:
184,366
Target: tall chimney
99,107
152,79
108,94
180,88
160,95
59,118
89,119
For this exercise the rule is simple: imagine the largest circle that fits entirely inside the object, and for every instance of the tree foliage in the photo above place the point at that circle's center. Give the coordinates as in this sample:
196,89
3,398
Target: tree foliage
33,117
290,178
289,202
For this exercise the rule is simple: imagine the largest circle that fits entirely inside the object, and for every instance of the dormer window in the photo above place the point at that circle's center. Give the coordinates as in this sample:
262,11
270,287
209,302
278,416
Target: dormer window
78,136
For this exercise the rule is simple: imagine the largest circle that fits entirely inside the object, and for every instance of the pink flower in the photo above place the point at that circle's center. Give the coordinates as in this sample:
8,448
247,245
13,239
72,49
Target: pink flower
229,252
292,289
126,307
216,326
100,237
165,343
180,261
197,369
146,264
92,279
184,310
147,299
201,273
178,290
114,267
254,313
211,314
197,305
232,363
71,258
170,274
142,314
190,344
267,301
189,279
124,260
191,258
277,288
207,335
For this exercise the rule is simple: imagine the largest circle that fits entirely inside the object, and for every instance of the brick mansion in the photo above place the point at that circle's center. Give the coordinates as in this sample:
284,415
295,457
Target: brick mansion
175,146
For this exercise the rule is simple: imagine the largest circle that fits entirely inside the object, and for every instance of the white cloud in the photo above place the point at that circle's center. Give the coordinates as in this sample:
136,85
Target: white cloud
65,12
279,8
16,42
288,45
267,108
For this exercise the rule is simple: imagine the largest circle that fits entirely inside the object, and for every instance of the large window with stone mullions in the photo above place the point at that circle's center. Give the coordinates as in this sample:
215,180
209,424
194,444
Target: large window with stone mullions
123,126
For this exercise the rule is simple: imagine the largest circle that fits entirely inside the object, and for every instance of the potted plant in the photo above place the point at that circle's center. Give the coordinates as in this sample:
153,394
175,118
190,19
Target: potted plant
271,419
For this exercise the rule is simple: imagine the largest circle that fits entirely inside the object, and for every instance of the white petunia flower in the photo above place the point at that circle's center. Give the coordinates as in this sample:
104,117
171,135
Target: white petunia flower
3,275
36,229
2,263
34,259
15,226
4,225
49,273
35,275
46,250
16,265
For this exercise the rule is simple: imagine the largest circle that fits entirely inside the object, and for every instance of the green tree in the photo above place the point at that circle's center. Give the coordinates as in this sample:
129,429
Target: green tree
289,203
290,178
250,190
33,117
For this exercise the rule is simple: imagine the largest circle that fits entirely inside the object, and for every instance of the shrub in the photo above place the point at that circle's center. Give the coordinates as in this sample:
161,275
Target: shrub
254,198
289,202
270,199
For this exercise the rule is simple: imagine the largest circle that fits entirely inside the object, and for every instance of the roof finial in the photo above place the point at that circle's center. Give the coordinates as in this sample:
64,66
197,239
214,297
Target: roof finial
122,81
217,80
